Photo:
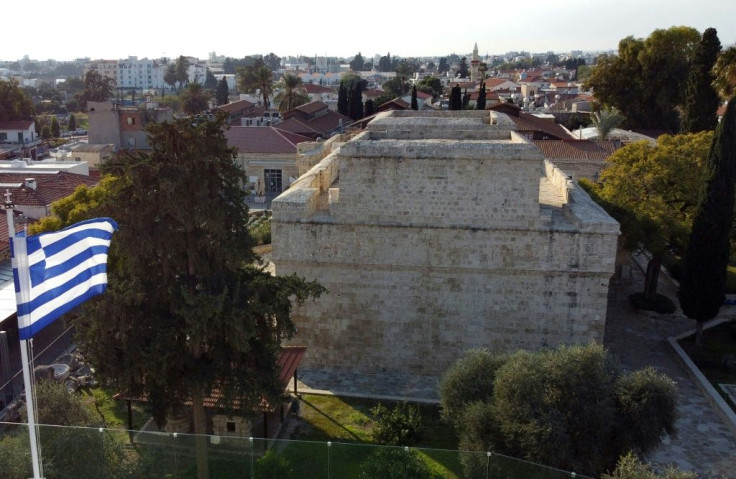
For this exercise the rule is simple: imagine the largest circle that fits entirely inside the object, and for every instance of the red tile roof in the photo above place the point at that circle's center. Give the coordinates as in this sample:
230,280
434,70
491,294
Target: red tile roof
308,109
373,93
289,360
529,123
423,96
576,149
316,88
50,187
263,139
16,124
236,106
490,95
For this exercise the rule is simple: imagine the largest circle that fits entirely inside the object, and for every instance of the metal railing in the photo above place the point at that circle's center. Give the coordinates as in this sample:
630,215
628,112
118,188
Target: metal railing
114,453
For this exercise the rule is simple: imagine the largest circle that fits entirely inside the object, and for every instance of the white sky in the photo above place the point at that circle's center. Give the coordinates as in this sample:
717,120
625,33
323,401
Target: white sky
154,28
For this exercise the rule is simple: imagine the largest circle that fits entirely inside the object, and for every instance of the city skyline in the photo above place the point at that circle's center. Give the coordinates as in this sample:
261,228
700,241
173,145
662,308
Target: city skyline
153,30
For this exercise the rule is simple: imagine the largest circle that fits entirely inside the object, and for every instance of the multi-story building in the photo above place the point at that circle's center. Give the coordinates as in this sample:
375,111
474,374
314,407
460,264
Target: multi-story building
134,73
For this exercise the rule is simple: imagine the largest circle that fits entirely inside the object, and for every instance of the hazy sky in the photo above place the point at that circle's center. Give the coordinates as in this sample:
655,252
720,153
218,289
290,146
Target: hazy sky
83,28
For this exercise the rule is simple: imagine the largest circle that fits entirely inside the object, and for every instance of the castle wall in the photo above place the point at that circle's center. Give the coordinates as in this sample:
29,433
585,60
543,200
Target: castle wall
431,246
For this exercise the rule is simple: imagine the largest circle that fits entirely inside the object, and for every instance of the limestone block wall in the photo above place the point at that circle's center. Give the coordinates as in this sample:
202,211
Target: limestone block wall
435,234
413,299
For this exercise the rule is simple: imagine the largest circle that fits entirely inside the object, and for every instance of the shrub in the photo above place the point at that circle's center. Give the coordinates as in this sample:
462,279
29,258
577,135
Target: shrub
400,426
629,467
469,379
273,466
661,304
645,400
570,408
392,463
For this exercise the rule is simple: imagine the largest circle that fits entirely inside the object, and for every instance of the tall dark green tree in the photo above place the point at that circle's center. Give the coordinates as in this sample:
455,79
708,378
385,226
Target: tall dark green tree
462,68
342,99
370,107
443,66
701,99
188,310
181,68
55,129
357,63
456,99
222,92
466,100
414,104
72,122
702,287
170,75
210,82
355,101
480,104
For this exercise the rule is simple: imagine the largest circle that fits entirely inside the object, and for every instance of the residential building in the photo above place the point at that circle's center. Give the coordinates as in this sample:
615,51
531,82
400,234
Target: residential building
18,138
314,120
34,195
123,127
266,153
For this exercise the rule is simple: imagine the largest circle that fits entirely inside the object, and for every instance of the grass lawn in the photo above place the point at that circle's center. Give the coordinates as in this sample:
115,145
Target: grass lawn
347,422
114,413
718,343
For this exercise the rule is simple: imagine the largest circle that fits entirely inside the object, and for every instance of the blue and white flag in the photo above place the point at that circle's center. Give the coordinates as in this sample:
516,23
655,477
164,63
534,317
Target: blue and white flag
55,272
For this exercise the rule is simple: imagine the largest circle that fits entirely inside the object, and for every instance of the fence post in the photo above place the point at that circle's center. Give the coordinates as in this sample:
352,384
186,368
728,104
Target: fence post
329,446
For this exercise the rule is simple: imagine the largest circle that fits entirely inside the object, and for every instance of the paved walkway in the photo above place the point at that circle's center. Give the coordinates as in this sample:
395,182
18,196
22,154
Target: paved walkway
704,443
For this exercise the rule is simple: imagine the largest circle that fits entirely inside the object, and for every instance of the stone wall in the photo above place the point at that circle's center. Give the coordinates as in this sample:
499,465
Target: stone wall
438,233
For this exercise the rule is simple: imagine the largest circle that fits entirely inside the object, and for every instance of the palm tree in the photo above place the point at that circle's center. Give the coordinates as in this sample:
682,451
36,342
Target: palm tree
606,120
256,78
194,99
291,92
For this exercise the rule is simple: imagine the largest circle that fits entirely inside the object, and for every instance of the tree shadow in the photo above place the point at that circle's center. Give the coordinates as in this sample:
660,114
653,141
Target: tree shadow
351,433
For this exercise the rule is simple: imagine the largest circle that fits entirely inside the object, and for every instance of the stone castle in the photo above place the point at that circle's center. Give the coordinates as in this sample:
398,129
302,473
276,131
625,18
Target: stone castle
436,232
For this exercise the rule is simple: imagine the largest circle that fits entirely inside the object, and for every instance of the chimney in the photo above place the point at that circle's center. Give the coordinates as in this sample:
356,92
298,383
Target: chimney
31,183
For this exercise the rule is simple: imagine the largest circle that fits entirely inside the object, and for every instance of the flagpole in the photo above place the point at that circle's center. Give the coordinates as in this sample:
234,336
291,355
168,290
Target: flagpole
19,243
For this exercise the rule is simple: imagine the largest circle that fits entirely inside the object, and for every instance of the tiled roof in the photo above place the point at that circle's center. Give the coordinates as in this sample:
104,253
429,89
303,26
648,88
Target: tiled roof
5,244
526,122
576,149
395,104
493,82
308,109
423,96
235,106
263,139
288,361
16,124
50,187
315,88
373,93
490,95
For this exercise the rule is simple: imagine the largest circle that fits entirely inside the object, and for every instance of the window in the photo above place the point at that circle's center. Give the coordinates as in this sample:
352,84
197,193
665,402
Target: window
131,120
230,426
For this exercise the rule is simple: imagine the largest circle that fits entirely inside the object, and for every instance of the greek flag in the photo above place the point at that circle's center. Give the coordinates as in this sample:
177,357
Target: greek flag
55,272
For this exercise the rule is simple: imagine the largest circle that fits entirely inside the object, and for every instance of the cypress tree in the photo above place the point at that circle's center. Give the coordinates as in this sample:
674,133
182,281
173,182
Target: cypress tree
222,93
481,103
701,99
72,122
466,100
456,101
355,105
55,130
370,108
342,100
702,287
414,104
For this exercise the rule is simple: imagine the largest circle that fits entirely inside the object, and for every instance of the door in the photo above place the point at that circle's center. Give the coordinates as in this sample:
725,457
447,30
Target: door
273,180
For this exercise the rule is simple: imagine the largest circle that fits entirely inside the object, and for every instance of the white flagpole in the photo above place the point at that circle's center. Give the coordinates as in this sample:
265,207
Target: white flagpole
20,262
